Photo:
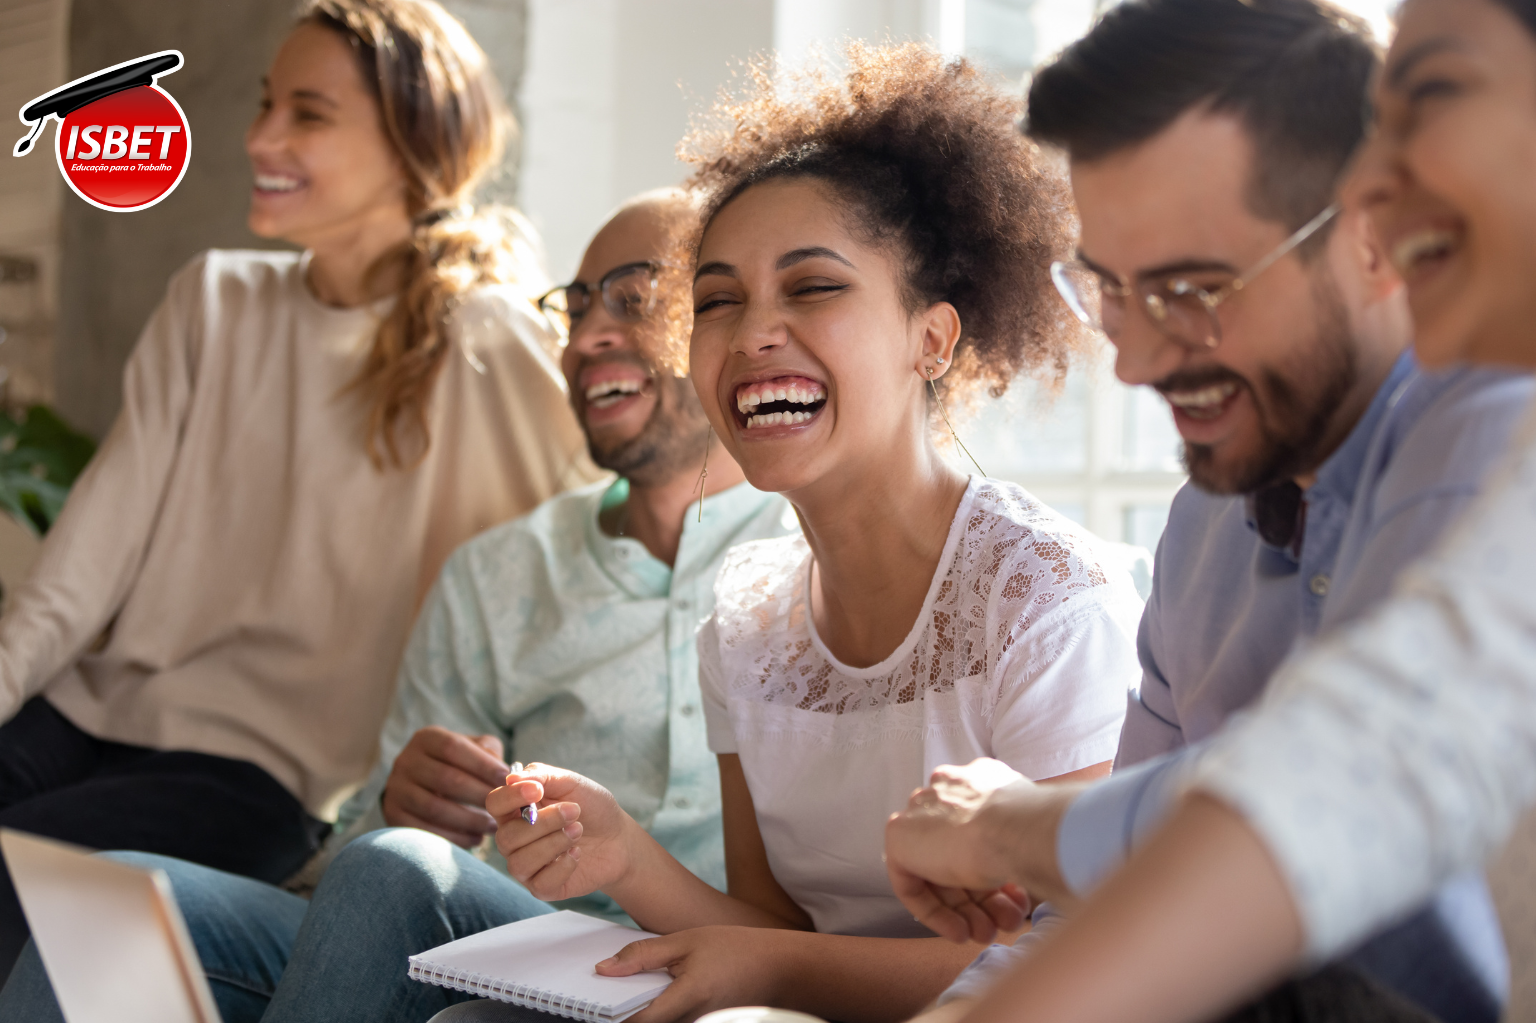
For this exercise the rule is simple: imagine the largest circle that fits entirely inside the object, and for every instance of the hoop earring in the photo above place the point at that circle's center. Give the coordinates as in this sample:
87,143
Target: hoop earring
709,439
943,412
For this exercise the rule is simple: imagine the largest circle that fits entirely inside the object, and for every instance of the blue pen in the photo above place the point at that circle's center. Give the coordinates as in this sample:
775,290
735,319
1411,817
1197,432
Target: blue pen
531,811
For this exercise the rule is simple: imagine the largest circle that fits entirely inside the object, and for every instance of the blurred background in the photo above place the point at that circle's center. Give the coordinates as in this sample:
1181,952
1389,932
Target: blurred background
603,90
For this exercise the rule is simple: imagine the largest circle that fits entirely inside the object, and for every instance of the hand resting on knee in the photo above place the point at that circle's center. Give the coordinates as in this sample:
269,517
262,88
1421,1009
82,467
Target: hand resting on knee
439,783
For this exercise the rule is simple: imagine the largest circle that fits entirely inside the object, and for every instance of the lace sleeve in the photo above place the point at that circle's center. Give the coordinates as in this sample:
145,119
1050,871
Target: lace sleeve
1061,634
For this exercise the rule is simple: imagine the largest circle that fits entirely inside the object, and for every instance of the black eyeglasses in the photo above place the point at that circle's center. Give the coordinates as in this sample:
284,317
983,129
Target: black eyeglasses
628,293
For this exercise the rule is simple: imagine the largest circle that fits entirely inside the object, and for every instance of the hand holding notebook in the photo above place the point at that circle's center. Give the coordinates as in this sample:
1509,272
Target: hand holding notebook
545,963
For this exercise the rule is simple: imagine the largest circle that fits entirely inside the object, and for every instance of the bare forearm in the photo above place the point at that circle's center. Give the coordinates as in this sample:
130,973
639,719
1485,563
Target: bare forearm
1197,921
966,832
1028,842
663,896
867,980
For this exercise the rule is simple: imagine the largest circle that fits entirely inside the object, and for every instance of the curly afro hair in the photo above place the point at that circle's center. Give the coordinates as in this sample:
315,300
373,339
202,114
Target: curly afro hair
923,154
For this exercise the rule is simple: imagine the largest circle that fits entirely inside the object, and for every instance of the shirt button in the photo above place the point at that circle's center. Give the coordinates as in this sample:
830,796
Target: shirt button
686,710
682,802
681,603
1319,585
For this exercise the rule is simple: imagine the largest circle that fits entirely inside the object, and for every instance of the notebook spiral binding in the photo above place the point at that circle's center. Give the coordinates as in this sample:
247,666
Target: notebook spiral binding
526,995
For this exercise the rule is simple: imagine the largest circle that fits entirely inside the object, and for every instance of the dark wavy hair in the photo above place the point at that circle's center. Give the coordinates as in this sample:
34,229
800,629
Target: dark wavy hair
1295,72
922,155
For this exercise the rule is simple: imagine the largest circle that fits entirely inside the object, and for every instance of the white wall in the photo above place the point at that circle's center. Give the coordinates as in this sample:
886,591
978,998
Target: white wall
610,86
801,25
607,95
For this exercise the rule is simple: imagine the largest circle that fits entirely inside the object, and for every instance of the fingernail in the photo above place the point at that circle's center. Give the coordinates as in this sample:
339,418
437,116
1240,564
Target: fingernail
516,768
572,831
609,961
570,811
575,852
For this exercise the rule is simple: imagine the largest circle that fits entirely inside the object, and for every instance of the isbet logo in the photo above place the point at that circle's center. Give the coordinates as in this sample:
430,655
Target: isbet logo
123,142
115,144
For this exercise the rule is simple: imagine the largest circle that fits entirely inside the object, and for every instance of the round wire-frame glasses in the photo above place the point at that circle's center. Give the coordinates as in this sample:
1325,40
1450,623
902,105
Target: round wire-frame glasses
1178,307
628,292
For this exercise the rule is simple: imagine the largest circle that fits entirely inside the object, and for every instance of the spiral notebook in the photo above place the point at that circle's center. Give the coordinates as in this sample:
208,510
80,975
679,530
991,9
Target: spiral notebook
546,963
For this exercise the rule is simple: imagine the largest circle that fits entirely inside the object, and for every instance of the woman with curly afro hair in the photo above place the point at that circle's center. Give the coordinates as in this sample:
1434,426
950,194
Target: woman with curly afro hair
868,243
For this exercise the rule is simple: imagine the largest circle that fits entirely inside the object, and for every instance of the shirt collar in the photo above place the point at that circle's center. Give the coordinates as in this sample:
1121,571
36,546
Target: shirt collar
705,534
1278,512
1339,476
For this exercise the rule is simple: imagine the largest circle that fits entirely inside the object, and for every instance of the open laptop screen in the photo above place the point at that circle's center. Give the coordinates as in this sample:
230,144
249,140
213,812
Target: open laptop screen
111,938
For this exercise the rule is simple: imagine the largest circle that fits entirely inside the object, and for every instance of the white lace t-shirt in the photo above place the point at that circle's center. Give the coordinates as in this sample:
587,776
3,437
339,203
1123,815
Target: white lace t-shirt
1023,651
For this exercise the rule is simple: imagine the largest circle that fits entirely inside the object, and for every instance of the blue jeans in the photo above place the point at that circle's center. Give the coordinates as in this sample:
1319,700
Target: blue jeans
271,956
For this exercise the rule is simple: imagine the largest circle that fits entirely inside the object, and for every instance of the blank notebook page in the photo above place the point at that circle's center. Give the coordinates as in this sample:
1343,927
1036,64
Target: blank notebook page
545,961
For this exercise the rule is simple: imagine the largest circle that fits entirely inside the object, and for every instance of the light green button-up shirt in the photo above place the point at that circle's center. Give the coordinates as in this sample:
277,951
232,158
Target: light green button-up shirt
577,648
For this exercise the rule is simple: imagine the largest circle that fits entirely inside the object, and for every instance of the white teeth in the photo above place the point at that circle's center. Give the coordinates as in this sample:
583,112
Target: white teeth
750,397
277,183
778,419
610,386
611,392
1206,397
1424,244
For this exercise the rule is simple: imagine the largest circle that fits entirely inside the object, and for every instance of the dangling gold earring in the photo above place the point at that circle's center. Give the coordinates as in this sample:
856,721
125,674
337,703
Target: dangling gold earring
943,412
709,439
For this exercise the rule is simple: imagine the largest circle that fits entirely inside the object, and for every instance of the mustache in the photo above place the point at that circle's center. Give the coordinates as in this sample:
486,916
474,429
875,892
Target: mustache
586,362
1195,379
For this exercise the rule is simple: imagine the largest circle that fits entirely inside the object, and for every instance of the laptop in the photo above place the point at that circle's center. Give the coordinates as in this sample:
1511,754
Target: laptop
111,937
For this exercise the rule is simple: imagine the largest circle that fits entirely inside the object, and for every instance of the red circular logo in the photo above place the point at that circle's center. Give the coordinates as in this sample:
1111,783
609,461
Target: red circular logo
125,151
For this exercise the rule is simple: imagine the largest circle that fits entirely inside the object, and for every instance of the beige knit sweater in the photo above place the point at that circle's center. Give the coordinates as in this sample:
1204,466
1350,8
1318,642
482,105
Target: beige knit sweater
231,574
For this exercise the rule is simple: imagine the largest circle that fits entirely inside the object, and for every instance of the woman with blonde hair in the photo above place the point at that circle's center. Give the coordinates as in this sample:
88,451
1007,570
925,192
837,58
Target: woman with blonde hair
201,661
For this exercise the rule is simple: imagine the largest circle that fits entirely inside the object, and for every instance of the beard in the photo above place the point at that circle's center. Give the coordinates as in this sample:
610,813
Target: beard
1295,405
672,439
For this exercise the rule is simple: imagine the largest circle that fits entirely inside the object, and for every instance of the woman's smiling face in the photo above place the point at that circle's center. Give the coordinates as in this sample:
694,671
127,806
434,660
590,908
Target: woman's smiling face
804,354
322,163
1449,178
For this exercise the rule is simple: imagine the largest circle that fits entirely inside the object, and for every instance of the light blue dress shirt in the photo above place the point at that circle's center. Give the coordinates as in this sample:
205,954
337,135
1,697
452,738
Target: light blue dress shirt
577,649
1227,608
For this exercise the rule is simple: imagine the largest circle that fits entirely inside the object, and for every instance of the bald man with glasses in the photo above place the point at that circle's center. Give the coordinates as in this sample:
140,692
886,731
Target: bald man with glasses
566,636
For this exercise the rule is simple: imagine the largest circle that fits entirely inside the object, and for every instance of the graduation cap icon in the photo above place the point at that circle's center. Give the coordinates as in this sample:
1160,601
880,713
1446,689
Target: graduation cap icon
66,99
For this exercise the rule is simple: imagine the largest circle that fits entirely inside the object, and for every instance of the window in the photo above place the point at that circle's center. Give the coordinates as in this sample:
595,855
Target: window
1102,454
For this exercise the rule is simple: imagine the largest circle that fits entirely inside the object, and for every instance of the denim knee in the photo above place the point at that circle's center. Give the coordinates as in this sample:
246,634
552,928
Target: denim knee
145,860
406,862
